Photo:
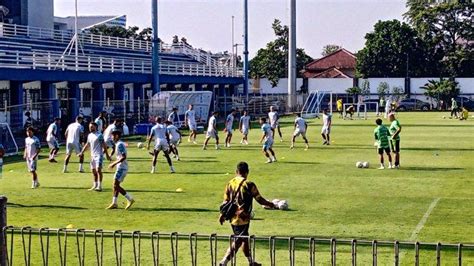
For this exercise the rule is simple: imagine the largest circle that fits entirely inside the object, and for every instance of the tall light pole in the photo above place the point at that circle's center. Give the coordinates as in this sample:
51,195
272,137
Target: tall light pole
292,57
155,47
76,48
233,45
246,49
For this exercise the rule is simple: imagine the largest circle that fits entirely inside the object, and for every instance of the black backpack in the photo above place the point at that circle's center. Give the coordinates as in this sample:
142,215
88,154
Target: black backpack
228,208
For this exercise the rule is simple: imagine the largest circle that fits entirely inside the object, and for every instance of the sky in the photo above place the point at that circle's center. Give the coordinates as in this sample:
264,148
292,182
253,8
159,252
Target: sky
207,24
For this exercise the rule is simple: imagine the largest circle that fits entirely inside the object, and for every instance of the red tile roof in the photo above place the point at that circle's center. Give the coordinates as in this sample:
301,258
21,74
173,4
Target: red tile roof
341,63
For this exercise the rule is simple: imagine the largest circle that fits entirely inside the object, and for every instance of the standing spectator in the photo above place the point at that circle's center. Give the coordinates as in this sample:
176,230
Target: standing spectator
29,121
454,108
244,191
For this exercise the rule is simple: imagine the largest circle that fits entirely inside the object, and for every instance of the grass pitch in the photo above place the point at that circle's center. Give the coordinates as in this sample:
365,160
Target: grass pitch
328,196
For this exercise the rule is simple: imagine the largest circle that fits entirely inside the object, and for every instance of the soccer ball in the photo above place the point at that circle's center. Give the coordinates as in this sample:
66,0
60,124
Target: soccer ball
444,117
359,165
283,205
365,164
140,145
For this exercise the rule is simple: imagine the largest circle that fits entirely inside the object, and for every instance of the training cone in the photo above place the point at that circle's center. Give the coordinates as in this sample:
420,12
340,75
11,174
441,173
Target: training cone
69,226
179,190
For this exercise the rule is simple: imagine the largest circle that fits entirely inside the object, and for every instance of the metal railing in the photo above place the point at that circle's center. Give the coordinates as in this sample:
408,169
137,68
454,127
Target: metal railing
36,246
65,36
90,63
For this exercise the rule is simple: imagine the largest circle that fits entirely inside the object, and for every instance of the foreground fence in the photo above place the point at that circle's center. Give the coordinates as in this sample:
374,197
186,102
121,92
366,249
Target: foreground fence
46,246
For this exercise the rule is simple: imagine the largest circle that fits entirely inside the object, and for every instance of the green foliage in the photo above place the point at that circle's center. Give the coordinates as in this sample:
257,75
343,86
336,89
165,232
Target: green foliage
330,48
446,29
383,89
354,92
389,49
271,61
398,93
365,90
441,90
120,32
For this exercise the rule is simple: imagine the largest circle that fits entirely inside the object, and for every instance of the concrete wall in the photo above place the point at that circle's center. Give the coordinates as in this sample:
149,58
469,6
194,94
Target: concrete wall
41,13
417,83
266,86
466,85
375,82
328,84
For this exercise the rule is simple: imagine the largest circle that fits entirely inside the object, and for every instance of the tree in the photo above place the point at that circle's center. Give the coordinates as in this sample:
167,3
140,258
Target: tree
442,91
393,49
398,93
383,89
354,92
329,49
447,30
132,32
365,90
271,61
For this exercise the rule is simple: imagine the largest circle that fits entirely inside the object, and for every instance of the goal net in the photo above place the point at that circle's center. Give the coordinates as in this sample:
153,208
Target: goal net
315,102
7,140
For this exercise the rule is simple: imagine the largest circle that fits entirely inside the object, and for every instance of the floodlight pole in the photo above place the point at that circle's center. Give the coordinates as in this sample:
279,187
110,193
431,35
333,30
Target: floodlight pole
155,47
76,48
246,50
292,57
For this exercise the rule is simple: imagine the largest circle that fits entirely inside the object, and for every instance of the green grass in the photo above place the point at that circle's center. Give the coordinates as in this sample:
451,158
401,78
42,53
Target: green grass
327,194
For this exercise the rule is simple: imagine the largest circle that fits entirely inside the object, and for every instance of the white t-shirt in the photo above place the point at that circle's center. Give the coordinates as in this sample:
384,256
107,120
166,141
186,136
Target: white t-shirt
100,124
229,122
96,141
245,121
273,116
51,132
191,116
173,131
121,152
32,145
73,132
108,132
327,120
158,131
300,124
212,123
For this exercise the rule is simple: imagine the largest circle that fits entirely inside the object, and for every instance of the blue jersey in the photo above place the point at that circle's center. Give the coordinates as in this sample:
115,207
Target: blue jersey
267,130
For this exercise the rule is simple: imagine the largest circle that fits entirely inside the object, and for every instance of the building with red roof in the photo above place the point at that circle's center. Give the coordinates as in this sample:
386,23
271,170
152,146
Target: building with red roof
339,64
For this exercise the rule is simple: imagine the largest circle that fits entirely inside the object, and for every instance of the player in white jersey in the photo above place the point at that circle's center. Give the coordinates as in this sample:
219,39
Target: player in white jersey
212,131
267,136
73,136
174,135
174,117
121,171
52,138
301,127
100,121
116,125
32,150
2,153
229,127
244,127
274,122
95,140
159,134
190,121
326,130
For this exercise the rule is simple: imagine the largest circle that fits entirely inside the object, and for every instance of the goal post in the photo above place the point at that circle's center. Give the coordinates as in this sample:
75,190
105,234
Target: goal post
7,140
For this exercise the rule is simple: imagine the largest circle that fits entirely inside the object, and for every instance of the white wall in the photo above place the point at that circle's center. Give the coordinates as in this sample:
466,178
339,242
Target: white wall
281,88
336,85
417,83
375,82
466,85
41,13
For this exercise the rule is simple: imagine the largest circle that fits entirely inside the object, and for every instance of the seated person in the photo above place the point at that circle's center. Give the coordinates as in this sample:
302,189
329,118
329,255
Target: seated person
464,114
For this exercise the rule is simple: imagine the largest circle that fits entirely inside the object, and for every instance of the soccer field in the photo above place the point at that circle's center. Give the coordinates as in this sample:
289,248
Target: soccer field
430,199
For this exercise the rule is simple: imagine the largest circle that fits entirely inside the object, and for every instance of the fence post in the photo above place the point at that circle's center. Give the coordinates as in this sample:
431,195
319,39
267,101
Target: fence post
3,224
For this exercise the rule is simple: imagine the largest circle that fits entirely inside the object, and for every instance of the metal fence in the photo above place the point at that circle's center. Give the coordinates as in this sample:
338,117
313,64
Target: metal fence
45,246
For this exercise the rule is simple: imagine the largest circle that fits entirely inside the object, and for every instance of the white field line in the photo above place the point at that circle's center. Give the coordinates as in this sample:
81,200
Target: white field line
423,220
418,228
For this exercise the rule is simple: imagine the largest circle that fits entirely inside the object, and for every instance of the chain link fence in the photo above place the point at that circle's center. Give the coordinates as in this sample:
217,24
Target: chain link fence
46,246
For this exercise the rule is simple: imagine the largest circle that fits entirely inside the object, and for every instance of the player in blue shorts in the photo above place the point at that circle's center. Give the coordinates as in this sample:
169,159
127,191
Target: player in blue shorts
268,144
32,150
121,165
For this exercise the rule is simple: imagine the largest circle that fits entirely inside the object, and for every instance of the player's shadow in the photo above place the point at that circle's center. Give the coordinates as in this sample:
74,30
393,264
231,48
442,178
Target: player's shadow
420,168
45,206
66,188
174,209
200,161
436,149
